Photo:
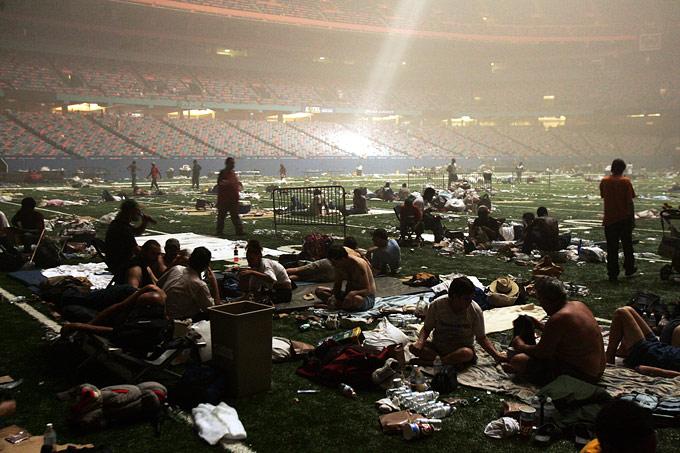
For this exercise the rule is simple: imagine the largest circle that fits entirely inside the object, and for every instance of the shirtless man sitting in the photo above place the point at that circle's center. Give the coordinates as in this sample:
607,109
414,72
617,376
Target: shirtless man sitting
359,294
571,342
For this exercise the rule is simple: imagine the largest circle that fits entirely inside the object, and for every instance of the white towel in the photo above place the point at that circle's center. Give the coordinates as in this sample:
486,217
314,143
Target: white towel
217,423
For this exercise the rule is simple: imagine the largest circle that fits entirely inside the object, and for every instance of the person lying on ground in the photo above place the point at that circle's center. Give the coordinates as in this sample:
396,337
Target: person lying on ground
385,255
263,273
146,302
485,228
139,273
455,321
321,270
120,243
359,293
571,341
631,337
188,293
28,223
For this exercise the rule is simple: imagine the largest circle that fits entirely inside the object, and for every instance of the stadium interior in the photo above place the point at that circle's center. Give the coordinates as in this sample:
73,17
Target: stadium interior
83,81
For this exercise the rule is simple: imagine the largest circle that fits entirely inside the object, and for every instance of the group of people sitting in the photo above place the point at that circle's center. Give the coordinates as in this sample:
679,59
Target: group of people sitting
418,214
25,227
347,265
455,321
538,231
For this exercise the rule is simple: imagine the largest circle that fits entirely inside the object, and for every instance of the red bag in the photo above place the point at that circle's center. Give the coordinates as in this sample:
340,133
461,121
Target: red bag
330,364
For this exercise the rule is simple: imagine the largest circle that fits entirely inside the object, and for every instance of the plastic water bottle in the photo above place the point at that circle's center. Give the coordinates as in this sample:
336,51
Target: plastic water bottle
50,437
437,365
537,403
347,391
549,410
421,307
435,422
416,430
439,410
418,380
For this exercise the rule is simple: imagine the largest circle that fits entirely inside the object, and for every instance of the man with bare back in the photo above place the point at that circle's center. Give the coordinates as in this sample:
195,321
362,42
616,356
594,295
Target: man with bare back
571,341
352,268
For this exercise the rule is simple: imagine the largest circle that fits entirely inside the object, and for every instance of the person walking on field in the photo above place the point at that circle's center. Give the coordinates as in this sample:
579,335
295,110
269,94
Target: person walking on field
133,173
619,221
195,174
228,187
155,175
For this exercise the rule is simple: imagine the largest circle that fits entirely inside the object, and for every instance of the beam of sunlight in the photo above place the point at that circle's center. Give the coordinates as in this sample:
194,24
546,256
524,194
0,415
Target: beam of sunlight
389,60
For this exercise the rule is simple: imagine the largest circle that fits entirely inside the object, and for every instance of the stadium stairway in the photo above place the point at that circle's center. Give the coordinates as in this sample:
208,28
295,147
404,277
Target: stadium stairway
379,142
193,137
536,151
42,137
318,139
448,151
260,139
576,151
473,140
123,137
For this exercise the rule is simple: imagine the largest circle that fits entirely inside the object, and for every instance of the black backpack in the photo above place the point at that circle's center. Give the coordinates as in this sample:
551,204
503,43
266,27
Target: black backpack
48,254
649,306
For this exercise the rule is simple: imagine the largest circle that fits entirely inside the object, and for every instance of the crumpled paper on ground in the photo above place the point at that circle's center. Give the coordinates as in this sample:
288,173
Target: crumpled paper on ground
502,428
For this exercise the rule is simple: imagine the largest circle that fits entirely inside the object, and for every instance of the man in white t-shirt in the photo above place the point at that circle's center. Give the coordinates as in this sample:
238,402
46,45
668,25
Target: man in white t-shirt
188,295
456,321
263,273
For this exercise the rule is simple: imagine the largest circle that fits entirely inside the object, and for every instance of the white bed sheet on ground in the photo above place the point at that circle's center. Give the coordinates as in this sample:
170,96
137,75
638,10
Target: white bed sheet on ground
375,211
96,273
221,249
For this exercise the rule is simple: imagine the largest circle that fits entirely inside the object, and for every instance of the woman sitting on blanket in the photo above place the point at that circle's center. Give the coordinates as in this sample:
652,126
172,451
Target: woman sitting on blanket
631,337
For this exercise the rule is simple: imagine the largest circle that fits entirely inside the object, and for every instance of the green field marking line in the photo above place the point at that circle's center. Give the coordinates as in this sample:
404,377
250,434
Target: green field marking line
35,314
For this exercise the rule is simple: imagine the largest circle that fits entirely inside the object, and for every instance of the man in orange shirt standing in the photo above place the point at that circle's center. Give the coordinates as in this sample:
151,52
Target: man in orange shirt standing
617,192
228,187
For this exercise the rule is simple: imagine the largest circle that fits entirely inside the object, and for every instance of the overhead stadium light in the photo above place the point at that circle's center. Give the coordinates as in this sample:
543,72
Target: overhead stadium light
549,97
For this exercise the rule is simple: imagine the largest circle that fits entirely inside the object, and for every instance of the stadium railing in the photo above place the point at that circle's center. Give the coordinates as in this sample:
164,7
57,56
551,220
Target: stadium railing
322,206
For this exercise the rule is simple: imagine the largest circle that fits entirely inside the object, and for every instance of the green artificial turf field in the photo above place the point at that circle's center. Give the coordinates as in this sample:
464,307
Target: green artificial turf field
281,420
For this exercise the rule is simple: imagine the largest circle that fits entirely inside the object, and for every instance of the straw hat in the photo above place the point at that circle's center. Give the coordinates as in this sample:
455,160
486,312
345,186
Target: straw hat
505,286
503,292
